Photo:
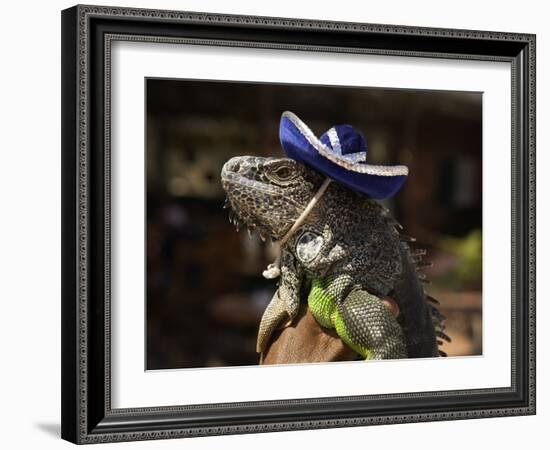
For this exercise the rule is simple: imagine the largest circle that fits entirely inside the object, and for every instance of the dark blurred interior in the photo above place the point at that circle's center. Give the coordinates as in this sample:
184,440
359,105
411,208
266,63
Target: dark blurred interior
205,292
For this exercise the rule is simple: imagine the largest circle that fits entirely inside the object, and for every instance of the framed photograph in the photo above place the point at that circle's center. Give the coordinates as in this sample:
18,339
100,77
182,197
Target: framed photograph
268,222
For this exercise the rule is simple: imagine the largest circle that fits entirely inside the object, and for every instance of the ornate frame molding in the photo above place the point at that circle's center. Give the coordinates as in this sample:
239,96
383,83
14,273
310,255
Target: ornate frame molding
87,38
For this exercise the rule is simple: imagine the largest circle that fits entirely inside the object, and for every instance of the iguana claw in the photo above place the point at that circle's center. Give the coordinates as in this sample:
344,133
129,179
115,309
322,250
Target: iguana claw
280,312
273,315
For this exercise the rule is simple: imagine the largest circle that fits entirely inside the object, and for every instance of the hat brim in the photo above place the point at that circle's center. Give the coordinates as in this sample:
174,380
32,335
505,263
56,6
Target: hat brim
300,144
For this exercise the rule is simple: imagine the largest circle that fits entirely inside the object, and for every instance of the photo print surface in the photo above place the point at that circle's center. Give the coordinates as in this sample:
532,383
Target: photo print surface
397,180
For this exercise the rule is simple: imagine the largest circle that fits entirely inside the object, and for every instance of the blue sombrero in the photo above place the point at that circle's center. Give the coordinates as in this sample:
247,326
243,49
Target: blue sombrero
340,154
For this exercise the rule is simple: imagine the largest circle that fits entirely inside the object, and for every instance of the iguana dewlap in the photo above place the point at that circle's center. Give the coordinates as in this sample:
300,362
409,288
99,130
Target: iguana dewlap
342,260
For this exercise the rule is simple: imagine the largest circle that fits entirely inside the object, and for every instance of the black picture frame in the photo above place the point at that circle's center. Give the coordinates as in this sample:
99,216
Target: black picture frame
87,32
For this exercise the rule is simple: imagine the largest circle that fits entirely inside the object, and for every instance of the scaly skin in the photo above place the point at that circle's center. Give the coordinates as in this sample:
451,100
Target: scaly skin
383,339
348,245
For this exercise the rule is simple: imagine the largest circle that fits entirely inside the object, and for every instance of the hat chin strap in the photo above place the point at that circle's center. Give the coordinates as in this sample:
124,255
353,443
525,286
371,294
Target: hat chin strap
274,269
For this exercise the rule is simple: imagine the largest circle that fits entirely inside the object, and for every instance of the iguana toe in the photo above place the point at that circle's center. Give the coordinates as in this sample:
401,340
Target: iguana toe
273,316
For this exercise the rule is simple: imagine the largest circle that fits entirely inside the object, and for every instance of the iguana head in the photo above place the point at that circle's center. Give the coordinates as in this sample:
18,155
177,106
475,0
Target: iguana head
268,194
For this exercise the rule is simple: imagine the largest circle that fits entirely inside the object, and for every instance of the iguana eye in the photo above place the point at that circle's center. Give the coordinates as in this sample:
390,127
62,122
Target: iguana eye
284,173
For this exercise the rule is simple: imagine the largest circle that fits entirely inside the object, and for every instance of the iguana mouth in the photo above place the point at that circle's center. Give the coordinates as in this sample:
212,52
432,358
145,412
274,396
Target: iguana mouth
238,186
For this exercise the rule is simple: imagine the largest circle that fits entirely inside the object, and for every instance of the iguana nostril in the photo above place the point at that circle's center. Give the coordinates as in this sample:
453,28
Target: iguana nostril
231,166
234,164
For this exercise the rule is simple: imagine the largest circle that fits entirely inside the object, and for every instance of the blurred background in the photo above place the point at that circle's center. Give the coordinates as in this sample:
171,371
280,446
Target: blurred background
205,291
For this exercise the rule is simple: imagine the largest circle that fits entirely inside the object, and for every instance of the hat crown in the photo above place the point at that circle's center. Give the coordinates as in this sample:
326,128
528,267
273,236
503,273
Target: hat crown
346,142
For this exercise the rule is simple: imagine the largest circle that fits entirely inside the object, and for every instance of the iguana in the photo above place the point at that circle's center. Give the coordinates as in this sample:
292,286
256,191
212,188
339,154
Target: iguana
345,257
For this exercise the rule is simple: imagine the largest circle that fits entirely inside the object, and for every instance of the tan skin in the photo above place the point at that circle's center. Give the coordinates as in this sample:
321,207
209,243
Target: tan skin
306,341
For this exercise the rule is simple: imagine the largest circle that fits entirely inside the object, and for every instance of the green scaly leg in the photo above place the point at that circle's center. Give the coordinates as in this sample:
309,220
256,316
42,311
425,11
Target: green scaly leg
360,319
